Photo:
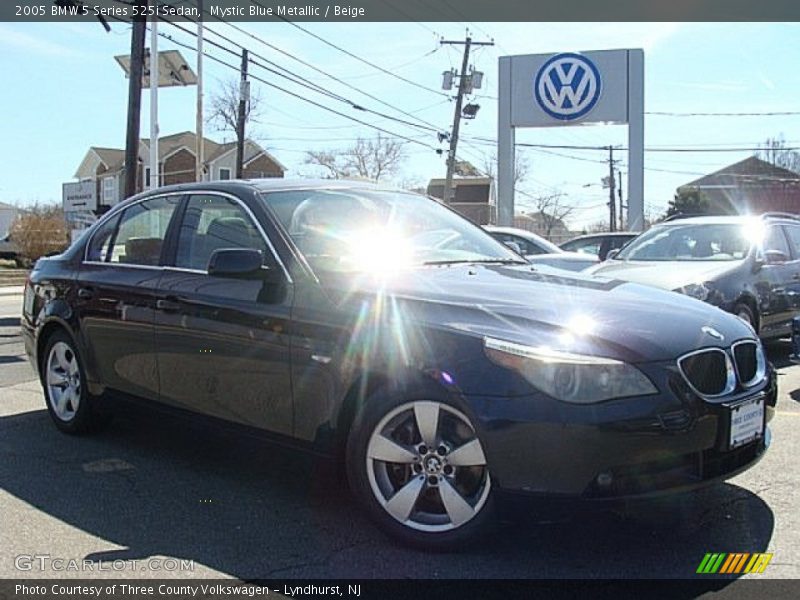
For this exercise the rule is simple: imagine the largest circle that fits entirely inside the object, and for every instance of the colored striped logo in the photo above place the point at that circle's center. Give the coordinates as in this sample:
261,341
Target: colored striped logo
734,562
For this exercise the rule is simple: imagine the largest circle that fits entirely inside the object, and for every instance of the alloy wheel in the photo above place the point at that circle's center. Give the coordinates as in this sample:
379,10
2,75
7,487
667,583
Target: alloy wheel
426,467
63,381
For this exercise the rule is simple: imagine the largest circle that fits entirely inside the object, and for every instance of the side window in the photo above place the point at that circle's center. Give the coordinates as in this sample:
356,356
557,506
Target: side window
211,223
587,247
776,240
101,241
141,232
528,248
794,240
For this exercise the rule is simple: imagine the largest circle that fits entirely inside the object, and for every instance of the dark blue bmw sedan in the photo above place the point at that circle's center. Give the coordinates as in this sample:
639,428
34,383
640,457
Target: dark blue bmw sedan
381,328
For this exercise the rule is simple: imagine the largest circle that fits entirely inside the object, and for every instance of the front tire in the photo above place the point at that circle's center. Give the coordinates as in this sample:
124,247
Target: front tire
745,313
69,403
419,469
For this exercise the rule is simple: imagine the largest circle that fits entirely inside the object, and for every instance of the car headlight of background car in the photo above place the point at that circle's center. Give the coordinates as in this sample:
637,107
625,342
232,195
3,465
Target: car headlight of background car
575,378
700,291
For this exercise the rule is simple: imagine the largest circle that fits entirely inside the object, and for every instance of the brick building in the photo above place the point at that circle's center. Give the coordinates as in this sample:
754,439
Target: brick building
751,186
106,166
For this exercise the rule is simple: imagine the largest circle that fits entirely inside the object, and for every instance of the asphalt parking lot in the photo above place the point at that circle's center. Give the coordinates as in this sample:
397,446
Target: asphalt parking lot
150,489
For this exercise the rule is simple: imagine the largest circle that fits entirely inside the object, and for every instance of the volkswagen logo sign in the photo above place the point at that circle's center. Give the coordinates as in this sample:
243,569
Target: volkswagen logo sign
567,86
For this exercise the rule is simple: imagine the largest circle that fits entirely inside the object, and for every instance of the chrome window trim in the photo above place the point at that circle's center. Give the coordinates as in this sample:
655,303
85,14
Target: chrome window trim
761,363
124,265
110,215
184,270
730,382
197,192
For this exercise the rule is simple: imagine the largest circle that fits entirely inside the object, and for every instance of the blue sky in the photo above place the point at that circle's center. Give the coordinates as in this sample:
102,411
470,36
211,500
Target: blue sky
63,92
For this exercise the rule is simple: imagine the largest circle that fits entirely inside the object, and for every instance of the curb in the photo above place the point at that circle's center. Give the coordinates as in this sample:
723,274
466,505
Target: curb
12,290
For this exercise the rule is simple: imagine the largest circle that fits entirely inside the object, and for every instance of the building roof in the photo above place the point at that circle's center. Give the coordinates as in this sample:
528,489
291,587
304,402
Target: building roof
749,171
114,158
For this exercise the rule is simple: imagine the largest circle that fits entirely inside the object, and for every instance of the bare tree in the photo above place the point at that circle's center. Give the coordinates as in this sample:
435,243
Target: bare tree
522,166
375,159
39,231
223,106
552,211
775,151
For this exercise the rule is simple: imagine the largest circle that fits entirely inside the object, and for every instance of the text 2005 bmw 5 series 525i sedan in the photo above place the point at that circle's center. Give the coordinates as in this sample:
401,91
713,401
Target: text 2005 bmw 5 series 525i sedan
329,315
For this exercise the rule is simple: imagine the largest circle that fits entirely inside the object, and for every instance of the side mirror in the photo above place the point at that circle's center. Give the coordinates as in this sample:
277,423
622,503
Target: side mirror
775,257
235,262
612,253
514,246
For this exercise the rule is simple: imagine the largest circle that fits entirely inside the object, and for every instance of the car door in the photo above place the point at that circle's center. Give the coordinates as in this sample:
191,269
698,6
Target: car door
222,342
115,300
775,283
793,268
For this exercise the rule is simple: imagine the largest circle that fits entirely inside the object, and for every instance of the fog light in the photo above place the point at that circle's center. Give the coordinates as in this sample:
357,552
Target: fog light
604,480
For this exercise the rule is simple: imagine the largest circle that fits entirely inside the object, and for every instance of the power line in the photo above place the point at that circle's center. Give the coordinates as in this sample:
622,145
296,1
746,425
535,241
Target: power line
300,97
317,69
299,80
784,113
355,56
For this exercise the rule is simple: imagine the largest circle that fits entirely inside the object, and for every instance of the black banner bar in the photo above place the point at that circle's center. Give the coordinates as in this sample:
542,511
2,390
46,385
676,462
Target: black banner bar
440,589
407,10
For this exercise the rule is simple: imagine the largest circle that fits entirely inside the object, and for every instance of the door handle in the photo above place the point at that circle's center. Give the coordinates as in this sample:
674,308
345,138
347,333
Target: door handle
167,305
796,276
85,293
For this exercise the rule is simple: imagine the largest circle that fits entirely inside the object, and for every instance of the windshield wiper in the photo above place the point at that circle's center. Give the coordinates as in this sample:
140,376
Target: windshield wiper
483,261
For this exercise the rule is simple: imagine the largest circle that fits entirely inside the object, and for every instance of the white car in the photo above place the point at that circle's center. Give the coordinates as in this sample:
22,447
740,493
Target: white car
538,250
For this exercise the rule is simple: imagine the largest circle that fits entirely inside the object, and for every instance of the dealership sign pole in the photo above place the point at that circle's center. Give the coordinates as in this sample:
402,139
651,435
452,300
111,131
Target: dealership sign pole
569,89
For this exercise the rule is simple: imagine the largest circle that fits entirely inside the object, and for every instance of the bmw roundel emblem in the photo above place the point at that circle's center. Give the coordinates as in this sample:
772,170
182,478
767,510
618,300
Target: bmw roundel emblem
567,86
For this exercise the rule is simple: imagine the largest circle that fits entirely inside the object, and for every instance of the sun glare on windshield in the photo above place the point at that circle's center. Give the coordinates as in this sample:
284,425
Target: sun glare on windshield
383,250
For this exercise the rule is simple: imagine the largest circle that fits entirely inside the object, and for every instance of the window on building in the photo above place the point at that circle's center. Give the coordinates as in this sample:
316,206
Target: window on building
109,190
224,174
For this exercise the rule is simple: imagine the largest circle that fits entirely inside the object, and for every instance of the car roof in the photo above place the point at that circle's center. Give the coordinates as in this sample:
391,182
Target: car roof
589,236
513,231
726,219
272,184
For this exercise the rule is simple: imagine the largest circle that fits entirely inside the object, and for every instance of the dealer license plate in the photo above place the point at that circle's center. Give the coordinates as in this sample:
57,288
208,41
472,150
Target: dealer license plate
747,422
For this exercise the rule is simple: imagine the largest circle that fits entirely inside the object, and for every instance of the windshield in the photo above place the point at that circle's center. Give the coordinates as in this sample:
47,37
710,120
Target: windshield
692,242
366,230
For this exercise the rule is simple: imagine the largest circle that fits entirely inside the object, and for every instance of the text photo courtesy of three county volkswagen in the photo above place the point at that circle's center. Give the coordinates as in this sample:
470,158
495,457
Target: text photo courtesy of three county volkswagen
405,294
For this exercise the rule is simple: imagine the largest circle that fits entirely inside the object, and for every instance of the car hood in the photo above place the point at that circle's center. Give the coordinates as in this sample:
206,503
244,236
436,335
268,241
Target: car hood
539,305
572,261
669,275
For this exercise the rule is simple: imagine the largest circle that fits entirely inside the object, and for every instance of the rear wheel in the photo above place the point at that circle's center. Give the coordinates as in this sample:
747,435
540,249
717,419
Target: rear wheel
420,469
69,403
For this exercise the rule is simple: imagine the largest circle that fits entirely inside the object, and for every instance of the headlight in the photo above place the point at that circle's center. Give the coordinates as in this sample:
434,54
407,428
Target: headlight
575,378
695,290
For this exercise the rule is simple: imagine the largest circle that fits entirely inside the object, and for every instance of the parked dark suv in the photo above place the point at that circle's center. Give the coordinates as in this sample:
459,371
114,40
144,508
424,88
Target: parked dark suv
749,266
328,316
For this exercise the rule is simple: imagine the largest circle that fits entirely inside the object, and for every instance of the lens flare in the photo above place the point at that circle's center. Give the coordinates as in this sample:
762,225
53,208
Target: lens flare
378,250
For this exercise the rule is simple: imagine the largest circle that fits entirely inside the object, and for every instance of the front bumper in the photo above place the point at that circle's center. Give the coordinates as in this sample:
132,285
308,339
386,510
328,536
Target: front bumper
617,449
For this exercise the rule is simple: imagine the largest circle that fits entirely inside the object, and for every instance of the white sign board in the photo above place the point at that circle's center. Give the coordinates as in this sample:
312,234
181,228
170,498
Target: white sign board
569,89
79,196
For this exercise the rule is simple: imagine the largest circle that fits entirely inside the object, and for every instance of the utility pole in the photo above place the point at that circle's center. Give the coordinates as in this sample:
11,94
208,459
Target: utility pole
463,84
612,200
244,99
200,147
154,76
621,206
138,34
